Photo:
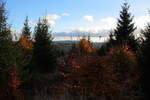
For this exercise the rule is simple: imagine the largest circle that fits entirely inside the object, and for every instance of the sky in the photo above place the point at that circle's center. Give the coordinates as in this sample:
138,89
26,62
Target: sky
70,15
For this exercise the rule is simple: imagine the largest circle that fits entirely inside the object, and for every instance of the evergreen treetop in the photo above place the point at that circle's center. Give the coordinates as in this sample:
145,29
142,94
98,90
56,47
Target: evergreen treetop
124,33
4,27
5,40
26,29
44,57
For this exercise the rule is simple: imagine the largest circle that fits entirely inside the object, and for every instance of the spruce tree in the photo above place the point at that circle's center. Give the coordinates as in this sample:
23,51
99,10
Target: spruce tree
26,29
144,61
124,33
44,57
25,49
5,40
6,53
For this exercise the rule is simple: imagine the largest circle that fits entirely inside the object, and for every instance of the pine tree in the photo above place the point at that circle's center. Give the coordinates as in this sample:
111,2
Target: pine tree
5,40
26,29
144,61
44,57
124,33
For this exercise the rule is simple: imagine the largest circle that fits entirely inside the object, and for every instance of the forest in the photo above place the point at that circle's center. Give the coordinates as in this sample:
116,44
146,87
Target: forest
34,68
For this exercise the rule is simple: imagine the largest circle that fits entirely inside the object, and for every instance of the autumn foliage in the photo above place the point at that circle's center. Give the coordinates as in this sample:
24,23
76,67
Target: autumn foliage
13,83
25,42
9,88
108,75
84,47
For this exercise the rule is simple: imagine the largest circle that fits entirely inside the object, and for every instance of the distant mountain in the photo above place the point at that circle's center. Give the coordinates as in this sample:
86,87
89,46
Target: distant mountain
66,41
82,33
78,33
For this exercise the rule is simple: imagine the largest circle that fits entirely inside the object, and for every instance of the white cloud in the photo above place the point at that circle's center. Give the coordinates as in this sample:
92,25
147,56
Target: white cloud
51,23
108,23
142,21
15,34
98,25
88,18
52,16
32,22
65,14
109,20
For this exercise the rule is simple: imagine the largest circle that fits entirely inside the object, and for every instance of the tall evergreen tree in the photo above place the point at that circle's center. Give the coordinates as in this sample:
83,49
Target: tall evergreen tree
5,40
145,63
6,53
125,29
123,34
26,29
25,49
44,57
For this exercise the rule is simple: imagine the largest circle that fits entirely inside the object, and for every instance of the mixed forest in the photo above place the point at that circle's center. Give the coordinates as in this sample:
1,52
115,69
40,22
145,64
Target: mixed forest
33,68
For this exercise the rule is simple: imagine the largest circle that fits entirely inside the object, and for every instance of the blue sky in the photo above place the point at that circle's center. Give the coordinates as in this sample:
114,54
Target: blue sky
68,15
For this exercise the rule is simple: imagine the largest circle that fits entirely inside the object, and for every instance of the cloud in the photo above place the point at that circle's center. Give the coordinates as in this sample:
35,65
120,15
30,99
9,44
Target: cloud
108,20
52,16
142,21
51,23
88,18
108,23
98,25
15,34
32,22
65,14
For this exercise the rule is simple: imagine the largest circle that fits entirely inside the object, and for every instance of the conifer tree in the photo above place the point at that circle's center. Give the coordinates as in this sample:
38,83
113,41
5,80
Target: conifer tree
5,40
6,52
44,57
26,29
25,49
145,63
124,33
